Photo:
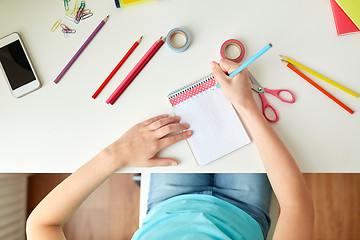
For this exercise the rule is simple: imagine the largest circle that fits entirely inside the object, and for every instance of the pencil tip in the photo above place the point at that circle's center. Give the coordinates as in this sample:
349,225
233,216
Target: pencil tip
105,19
270,44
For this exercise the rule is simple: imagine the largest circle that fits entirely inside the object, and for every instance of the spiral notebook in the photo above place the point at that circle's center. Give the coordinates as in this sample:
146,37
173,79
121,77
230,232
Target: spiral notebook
217,129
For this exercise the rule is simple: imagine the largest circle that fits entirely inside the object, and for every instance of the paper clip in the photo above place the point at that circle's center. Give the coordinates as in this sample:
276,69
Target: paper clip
66,5
76,5
85,11
56,25
78,14
71,12
85,16
71,19
66,30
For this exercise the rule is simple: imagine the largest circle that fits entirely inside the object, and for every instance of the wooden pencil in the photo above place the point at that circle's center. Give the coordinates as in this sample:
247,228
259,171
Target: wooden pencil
82,48
312,72
107,80
318,87
135,71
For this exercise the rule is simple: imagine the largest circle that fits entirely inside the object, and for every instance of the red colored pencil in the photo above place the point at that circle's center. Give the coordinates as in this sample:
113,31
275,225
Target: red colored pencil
319,88
135,71
107,80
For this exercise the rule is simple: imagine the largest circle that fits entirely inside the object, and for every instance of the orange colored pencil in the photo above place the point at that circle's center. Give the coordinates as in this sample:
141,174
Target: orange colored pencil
319,88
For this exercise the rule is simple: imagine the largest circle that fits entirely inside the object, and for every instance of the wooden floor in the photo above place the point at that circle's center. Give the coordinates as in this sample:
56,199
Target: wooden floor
112,211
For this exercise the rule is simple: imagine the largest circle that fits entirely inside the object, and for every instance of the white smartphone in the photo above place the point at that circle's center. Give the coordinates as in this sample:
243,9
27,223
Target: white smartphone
16,66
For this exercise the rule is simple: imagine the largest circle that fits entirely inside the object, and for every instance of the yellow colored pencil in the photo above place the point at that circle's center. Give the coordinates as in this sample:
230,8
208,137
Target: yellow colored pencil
320,76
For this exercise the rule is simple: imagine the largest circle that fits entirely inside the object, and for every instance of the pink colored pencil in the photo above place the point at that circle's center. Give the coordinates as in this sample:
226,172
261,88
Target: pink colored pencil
135,71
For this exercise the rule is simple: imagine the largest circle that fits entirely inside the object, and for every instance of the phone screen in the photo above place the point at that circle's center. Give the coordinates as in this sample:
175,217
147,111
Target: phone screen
16,65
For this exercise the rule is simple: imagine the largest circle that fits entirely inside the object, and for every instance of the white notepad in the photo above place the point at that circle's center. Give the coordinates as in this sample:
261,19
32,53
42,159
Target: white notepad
217,130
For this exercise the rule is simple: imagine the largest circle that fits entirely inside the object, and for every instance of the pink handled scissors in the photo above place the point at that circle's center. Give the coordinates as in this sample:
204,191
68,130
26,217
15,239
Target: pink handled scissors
255,85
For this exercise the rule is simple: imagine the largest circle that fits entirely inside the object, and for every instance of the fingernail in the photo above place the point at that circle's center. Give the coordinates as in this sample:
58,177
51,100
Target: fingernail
174,164
213,64
187,125
189,133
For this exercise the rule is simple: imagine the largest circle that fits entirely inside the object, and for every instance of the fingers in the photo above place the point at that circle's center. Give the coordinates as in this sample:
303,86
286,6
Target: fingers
161,162
244,74
164,121
171,128
228,66
154,119
167,141
218,73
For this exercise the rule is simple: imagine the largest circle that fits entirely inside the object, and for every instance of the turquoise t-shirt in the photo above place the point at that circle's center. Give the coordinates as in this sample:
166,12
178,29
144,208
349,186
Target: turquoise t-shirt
198,216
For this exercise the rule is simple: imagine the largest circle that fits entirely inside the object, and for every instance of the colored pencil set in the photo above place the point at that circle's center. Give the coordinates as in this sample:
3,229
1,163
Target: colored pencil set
292,65
135,71
107,80
129,78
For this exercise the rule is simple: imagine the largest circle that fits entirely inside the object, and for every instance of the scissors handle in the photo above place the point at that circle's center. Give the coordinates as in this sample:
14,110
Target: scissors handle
265,105
276,93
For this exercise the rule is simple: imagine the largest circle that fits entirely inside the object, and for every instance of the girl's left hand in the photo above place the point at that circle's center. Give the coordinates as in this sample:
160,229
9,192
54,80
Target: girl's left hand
139,145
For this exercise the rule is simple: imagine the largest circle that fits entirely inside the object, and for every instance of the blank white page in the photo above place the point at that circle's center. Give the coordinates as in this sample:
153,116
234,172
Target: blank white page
217,130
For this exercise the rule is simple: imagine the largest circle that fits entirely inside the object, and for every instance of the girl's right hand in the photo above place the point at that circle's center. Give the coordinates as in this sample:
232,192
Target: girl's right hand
237,89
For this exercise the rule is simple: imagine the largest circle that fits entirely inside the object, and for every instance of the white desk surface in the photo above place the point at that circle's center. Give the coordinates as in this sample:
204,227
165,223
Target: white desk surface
60,127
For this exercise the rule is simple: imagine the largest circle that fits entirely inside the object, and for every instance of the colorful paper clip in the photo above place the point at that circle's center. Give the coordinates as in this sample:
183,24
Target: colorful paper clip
78,13
71,19
71,13
66,30
56,25
85,16
76,5
66,5
74,15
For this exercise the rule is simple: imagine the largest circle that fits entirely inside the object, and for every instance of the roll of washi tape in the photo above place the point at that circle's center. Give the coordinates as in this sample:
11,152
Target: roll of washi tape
238,45
170,40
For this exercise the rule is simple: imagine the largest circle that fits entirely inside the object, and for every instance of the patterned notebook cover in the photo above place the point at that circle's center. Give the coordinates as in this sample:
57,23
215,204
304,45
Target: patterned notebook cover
217,129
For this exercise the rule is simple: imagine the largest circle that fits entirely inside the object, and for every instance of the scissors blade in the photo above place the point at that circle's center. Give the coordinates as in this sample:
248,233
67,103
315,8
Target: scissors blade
255,85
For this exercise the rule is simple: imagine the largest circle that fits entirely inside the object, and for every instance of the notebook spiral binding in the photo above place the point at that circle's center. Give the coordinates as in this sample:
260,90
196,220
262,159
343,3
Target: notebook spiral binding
192,85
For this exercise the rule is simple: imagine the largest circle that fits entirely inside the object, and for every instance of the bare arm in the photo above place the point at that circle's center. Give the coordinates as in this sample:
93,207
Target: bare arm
297,214
137,147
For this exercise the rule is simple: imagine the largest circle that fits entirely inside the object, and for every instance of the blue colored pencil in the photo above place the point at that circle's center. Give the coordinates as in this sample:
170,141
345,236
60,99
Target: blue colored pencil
253,58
